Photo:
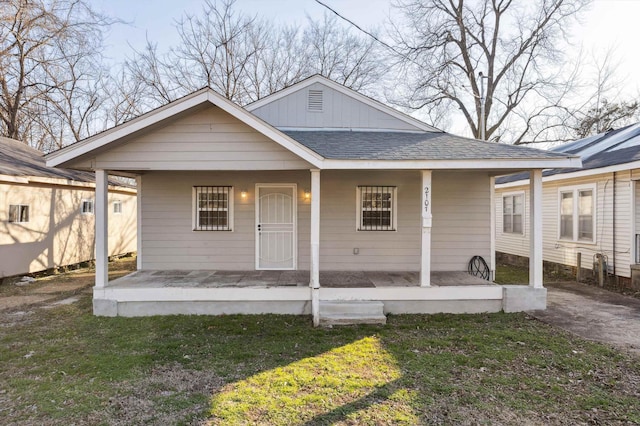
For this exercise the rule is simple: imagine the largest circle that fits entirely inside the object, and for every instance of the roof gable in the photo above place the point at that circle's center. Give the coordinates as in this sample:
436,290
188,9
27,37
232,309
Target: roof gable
203,97
321,103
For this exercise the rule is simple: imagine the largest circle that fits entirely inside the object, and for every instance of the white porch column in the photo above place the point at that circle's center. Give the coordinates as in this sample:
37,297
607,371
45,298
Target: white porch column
535,228
492,262
425,263
314,279
139,221
102,230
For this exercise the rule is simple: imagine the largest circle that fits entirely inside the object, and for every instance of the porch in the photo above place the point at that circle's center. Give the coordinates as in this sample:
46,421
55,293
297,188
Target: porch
265,279
145,293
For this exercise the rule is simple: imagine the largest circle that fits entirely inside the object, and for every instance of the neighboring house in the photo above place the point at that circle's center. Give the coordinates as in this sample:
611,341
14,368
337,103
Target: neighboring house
594,211
47,215
330,195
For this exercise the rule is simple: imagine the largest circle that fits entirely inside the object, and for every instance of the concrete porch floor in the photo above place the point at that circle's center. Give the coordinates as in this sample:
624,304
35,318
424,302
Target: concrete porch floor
265,279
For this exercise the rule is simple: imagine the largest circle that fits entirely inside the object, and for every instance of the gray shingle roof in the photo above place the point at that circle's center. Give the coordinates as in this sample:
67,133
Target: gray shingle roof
360,145
605,149
19,159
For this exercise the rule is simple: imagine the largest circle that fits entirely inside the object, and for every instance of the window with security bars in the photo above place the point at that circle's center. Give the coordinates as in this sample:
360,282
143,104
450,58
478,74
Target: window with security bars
512,213
377,208
213,208
18,213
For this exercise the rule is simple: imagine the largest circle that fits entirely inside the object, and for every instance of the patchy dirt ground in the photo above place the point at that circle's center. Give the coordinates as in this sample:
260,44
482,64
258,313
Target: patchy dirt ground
593,314
55,288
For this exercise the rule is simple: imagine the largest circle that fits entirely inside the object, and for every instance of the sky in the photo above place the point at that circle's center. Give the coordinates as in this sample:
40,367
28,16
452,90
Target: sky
606,24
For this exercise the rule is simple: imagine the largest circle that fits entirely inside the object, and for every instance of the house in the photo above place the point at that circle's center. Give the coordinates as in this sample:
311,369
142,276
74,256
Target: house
315,199
592,212
47,215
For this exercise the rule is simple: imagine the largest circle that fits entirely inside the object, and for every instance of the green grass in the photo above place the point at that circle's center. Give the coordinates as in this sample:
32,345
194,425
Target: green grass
498,368
509,274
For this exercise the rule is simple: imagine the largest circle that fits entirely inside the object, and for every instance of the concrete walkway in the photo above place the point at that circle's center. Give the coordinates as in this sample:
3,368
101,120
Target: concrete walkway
594,314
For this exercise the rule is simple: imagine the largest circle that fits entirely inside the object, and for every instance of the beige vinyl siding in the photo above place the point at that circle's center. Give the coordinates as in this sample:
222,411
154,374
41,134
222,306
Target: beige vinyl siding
564,252
339,111
208,138
57,233
460,226
461,219
168,239
378,250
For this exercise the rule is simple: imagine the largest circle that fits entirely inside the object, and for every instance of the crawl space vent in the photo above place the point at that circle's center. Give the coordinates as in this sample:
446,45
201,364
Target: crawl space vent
315,100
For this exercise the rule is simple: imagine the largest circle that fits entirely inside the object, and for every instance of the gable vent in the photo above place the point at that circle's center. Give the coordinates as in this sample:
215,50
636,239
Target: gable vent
314,102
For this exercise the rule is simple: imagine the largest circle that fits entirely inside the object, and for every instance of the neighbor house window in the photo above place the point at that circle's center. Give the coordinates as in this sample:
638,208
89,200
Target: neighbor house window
377,208
513,213
577,208
213,208
18,213
117,207
87,206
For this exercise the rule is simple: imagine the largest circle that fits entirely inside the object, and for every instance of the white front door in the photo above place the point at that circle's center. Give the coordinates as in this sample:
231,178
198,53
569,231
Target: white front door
276,226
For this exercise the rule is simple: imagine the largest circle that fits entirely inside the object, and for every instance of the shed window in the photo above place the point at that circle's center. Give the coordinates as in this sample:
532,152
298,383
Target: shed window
577,208
213,208
18,213
512,213
87,207
117,207
377,208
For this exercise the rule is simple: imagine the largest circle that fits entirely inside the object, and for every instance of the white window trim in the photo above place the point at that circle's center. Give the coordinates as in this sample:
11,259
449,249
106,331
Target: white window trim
524,212
28,206
194,210
93,206
115,203
394,209
575,190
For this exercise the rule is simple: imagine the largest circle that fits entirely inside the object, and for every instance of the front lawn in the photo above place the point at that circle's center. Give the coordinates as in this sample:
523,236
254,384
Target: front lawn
64,366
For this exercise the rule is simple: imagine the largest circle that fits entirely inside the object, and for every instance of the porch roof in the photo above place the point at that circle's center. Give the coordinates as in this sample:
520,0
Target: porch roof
388,145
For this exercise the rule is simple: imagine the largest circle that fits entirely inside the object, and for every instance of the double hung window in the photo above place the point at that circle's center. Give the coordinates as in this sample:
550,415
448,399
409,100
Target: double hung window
213,208
377,208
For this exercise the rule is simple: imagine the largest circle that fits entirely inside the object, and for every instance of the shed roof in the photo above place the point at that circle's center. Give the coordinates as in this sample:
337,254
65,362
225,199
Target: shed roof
611,148
368,145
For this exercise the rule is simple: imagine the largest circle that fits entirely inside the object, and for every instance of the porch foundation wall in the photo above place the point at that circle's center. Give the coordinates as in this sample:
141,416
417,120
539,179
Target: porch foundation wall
398,307
520,298
144,309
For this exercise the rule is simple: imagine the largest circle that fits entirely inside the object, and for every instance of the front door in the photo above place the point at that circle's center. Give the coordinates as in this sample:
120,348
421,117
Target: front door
276,226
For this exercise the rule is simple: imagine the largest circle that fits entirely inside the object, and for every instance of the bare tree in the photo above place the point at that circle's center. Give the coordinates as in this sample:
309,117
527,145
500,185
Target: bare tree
245,58
336,53
48,55
445,44
604,103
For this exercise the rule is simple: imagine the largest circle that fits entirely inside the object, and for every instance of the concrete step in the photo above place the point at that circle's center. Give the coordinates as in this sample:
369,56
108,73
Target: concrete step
352,312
